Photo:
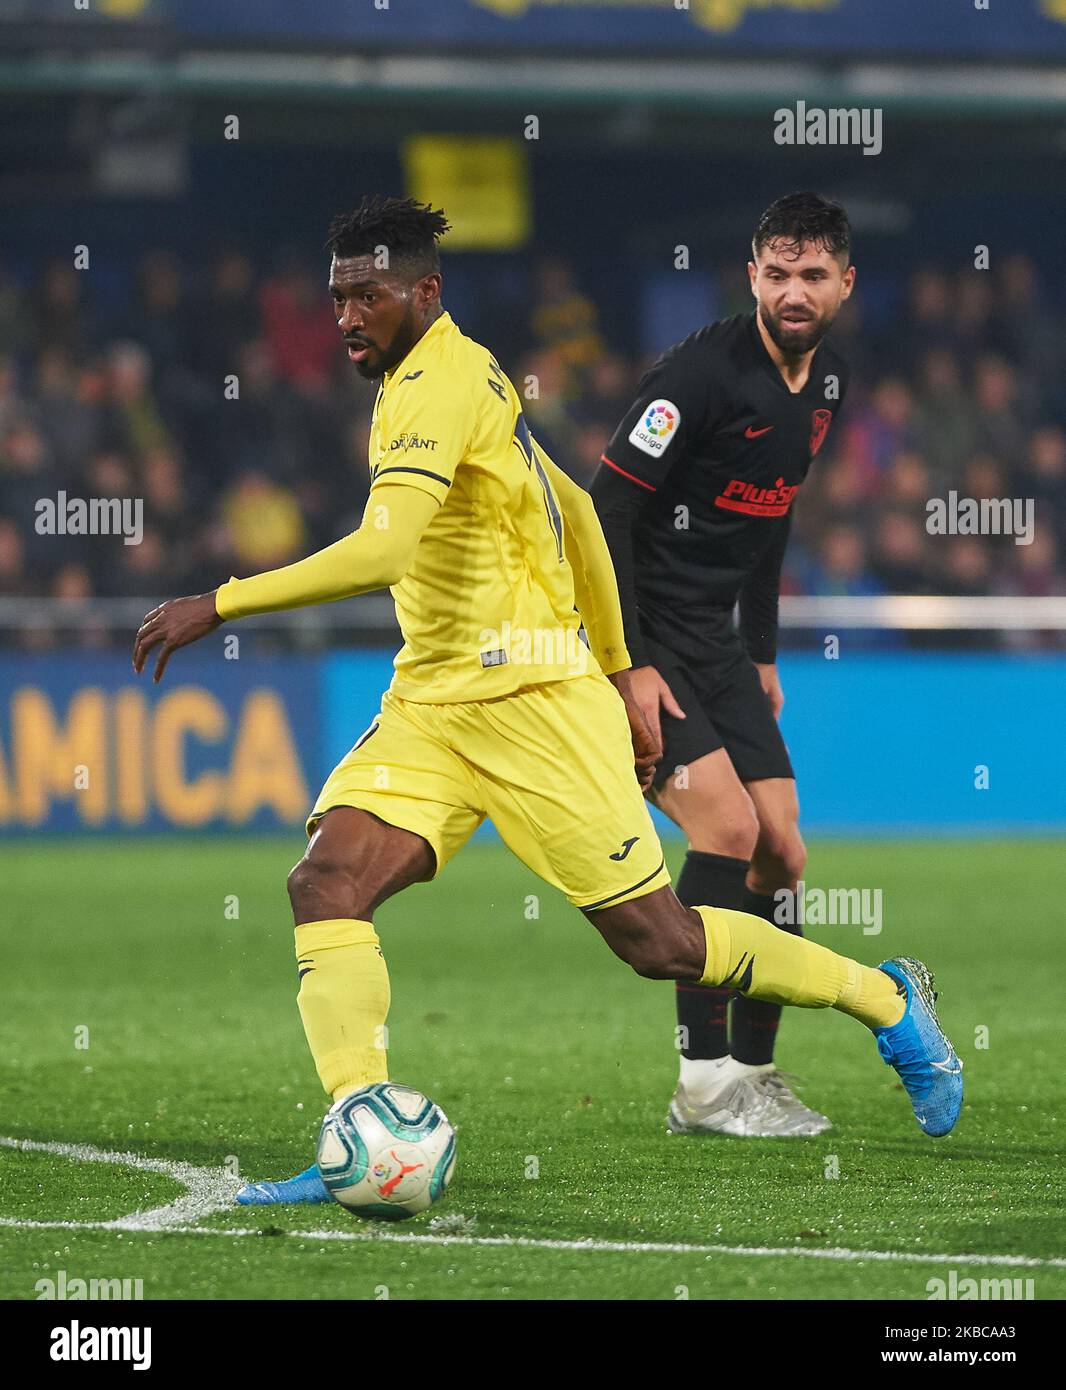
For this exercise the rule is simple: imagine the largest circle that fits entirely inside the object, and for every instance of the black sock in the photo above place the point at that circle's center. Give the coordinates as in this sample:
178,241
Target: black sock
707,880
753,1025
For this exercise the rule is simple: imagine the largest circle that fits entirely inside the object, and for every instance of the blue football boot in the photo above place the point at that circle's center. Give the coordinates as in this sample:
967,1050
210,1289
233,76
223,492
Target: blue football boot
305,1187
919,1049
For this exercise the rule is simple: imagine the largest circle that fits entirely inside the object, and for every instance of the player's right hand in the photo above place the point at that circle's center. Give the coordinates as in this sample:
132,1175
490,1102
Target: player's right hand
652,693
172,625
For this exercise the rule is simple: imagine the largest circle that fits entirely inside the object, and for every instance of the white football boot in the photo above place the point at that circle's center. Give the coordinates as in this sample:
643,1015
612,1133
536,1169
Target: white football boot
725,1096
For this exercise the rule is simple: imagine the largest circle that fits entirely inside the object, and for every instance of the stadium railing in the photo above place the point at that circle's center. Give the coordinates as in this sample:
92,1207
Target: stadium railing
371,617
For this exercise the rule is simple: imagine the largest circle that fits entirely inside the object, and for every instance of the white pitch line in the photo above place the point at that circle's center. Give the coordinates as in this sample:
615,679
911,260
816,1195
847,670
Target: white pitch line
207,1189
212,1189
618,1247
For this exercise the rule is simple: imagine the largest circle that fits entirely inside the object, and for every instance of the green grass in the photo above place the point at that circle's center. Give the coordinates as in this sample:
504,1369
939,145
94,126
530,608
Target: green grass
537,1043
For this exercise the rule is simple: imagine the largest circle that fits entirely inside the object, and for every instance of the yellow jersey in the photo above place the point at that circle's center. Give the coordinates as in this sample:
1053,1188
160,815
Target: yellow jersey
488,605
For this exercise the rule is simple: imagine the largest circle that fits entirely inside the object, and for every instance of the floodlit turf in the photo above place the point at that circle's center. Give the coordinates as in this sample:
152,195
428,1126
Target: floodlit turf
549,1056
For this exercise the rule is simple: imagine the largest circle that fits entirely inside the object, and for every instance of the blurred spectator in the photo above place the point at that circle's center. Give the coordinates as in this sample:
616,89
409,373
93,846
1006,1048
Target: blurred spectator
566,322
131,416
589,442
974,300
927,319
70,421
224,317
945,412
907,481
878,430
263,428
263,522
1025,327
72,582
299,325
1000,428
608,392
542,383
15,580
900,560
58,311
842,567
159,316
12,404
1044,478
26,476
965,565
13,315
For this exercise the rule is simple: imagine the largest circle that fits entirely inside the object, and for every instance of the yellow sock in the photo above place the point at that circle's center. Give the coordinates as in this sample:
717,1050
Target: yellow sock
344,1001
764,962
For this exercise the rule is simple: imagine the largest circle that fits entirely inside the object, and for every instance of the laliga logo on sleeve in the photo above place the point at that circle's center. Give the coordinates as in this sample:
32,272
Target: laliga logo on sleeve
654,431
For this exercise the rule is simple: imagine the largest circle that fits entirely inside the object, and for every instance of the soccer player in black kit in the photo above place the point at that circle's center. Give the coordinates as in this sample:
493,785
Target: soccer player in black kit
695,494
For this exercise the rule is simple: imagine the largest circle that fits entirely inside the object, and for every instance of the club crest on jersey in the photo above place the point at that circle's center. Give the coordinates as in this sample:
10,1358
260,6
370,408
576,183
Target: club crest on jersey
741,496
820,422
656,427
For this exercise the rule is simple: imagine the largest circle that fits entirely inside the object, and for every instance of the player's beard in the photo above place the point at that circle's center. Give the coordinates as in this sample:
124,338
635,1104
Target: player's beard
383,360
795,342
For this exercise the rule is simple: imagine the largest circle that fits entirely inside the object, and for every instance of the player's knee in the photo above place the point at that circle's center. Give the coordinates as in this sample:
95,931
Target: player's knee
667,955
780,857
727,826
739,833
321,888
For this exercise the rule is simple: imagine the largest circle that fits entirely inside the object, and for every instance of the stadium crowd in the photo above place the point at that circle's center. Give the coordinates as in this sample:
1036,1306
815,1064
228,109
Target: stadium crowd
225,403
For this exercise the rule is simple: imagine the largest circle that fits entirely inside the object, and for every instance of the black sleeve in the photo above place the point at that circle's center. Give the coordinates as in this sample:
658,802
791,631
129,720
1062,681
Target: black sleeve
672,405
759,601
618,505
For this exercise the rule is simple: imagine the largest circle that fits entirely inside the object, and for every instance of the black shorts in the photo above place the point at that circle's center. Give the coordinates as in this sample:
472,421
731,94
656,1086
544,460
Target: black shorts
725,707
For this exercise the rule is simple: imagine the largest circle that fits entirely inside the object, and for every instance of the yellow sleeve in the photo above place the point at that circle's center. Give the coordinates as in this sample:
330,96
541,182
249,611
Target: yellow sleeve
375,556
595,586
424,431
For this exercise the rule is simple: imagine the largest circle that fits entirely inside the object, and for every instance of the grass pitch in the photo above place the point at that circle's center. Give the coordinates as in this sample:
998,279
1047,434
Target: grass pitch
138,1014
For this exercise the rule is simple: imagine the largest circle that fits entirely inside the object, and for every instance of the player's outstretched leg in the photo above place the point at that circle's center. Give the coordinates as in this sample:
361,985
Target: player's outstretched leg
663,940
352,864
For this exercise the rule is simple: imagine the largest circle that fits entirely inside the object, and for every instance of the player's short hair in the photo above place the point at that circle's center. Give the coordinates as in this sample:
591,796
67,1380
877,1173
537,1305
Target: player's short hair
409,229
801,217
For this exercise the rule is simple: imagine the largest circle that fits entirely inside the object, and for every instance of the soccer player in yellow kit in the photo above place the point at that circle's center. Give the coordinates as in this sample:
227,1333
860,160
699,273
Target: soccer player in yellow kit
496,562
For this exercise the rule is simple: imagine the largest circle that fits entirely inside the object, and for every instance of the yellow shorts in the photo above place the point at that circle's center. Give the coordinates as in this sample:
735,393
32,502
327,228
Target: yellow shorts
551,765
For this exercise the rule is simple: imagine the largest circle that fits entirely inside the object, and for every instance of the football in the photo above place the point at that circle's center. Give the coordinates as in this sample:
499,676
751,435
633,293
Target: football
386,1152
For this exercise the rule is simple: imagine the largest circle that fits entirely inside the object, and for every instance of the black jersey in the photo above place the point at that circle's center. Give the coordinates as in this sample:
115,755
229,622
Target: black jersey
701,476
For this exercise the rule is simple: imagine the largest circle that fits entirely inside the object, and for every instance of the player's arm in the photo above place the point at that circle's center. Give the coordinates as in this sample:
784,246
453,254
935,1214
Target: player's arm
595,586
672,404
596,591
758,614
425,434
375,556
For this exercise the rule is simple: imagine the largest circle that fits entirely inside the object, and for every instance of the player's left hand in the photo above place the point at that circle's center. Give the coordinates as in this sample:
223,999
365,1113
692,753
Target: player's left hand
771,684
174,624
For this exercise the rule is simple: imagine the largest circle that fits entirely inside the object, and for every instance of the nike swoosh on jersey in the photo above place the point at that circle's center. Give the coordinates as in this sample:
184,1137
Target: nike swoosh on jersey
412,376
749,433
